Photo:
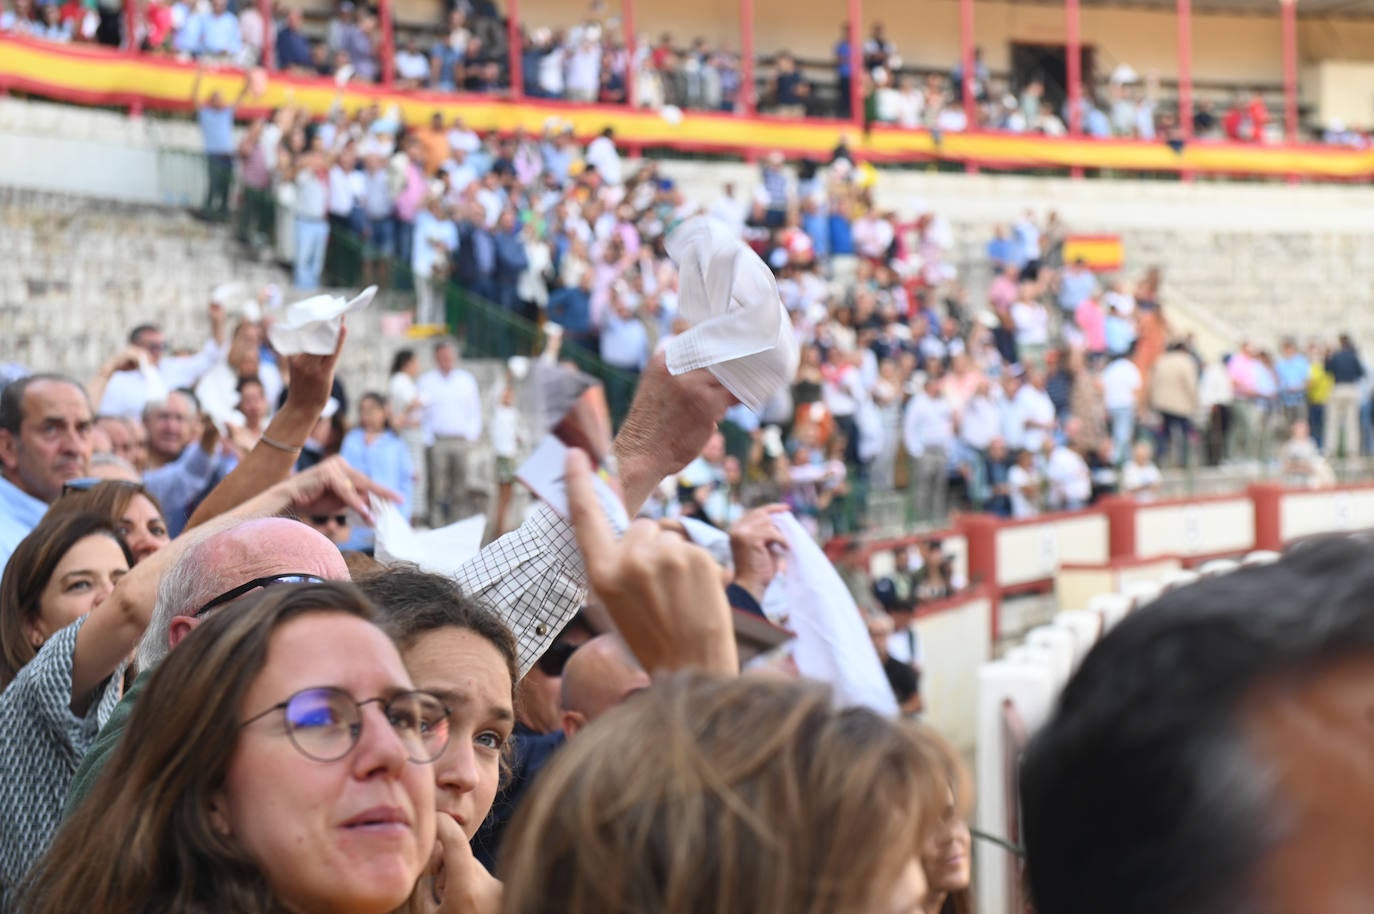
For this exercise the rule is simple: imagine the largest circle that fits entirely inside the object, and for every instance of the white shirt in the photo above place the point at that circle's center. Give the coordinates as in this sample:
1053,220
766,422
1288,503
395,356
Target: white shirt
1120,383
129,391
412,65
453,405
1071,482
218,390
927,423
1018,478
979,423
551,72
1135,477
504,431
465,140
729,211
1032,320
1030,405
911,107
346,190
401,392
584,69
602,153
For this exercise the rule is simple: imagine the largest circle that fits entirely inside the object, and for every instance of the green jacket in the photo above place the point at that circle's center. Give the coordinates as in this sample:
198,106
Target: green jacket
104,745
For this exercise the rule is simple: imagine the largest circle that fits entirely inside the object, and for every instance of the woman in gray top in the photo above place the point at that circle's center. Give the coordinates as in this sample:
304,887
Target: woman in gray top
70,614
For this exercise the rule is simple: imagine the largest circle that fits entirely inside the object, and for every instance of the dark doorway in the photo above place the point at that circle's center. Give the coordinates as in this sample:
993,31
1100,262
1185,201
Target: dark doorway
1049,64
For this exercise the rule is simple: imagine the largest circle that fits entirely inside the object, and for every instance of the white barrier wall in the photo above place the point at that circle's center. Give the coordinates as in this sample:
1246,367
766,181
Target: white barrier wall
1215,526
1034,551
955,643
1307,513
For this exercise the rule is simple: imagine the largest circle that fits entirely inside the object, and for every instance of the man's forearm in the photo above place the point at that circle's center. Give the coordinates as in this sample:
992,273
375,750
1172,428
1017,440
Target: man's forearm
265,465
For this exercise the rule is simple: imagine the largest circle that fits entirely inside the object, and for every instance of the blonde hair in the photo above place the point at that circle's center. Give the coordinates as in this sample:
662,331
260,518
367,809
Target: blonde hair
745,795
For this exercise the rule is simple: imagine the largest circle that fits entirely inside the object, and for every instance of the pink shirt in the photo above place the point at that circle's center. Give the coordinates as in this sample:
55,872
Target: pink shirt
1093,323
412,195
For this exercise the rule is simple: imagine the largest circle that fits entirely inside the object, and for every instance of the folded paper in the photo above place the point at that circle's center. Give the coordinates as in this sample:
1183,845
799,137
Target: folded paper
740,330
312,325
832,643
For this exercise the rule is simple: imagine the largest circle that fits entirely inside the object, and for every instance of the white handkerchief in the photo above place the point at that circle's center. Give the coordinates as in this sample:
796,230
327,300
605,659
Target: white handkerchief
312,326
832,641
740,329
712,539
442,551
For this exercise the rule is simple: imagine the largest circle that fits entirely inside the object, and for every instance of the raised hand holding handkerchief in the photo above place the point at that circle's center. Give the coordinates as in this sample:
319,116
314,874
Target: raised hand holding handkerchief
740,330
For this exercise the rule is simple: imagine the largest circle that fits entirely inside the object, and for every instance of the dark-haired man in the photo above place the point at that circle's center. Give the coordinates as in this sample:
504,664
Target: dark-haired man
141,372
1213,753
45,441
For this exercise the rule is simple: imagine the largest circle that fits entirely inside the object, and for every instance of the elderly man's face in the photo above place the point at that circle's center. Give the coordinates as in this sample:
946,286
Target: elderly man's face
170,426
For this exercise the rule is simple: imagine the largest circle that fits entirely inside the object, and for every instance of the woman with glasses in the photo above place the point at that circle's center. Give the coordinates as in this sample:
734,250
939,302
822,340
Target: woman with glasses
131,508
71,612
280,760
377,452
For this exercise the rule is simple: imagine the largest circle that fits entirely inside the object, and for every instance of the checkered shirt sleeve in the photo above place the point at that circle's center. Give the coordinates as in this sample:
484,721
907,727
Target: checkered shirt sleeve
533,577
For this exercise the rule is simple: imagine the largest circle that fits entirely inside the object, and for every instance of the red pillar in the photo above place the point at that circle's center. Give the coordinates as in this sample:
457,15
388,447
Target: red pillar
1268,499
748,91
1120,512
856,65
388,43
1288,11
627,14
131,45
967,90
269,51
1073,65
980,532
1185,74
515,50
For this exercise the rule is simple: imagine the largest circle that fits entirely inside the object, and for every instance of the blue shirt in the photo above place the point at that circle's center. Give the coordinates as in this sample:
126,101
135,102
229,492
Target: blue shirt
571,307
211,34
386,461
1004,250
217,127
817,227
1075,287
624,342
179,485
20,512
842,59
841,236
1293,373
293,49
1120,334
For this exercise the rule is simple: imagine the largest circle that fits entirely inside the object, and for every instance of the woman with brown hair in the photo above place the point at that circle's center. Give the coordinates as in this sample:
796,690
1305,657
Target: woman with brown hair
133,511
736,796
63,642
278,761
945,857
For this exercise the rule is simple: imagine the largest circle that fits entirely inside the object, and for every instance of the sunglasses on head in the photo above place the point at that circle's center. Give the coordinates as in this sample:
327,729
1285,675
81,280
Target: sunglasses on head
555,658
228,596
86,483
320,520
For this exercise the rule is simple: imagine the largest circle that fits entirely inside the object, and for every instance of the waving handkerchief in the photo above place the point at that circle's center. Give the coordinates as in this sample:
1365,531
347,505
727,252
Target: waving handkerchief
441,551
312,326
832,640
740,330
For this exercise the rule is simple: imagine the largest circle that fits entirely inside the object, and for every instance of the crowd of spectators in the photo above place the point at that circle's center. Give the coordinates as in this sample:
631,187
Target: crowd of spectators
1030,398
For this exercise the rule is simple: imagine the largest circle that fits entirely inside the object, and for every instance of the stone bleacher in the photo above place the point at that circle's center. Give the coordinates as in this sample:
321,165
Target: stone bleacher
79,273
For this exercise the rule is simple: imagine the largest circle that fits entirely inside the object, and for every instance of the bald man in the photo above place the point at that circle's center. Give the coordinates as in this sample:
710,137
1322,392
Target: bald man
600,675
210,575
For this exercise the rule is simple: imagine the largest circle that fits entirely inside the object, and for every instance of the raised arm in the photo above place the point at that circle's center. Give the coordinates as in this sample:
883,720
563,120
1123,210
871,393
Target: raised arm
274,457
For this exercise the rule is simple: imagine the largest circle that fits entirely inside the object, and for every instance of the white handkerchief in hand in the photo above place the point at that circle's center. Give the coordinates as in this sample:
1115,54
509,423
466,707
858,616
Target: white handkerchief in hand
442,551
832,643
312,326
740,329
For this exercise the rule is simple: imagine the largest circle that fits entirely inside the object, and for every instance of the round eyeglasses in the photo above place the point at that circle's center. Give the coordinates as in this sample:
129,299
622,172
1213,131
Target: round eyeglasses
324,723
